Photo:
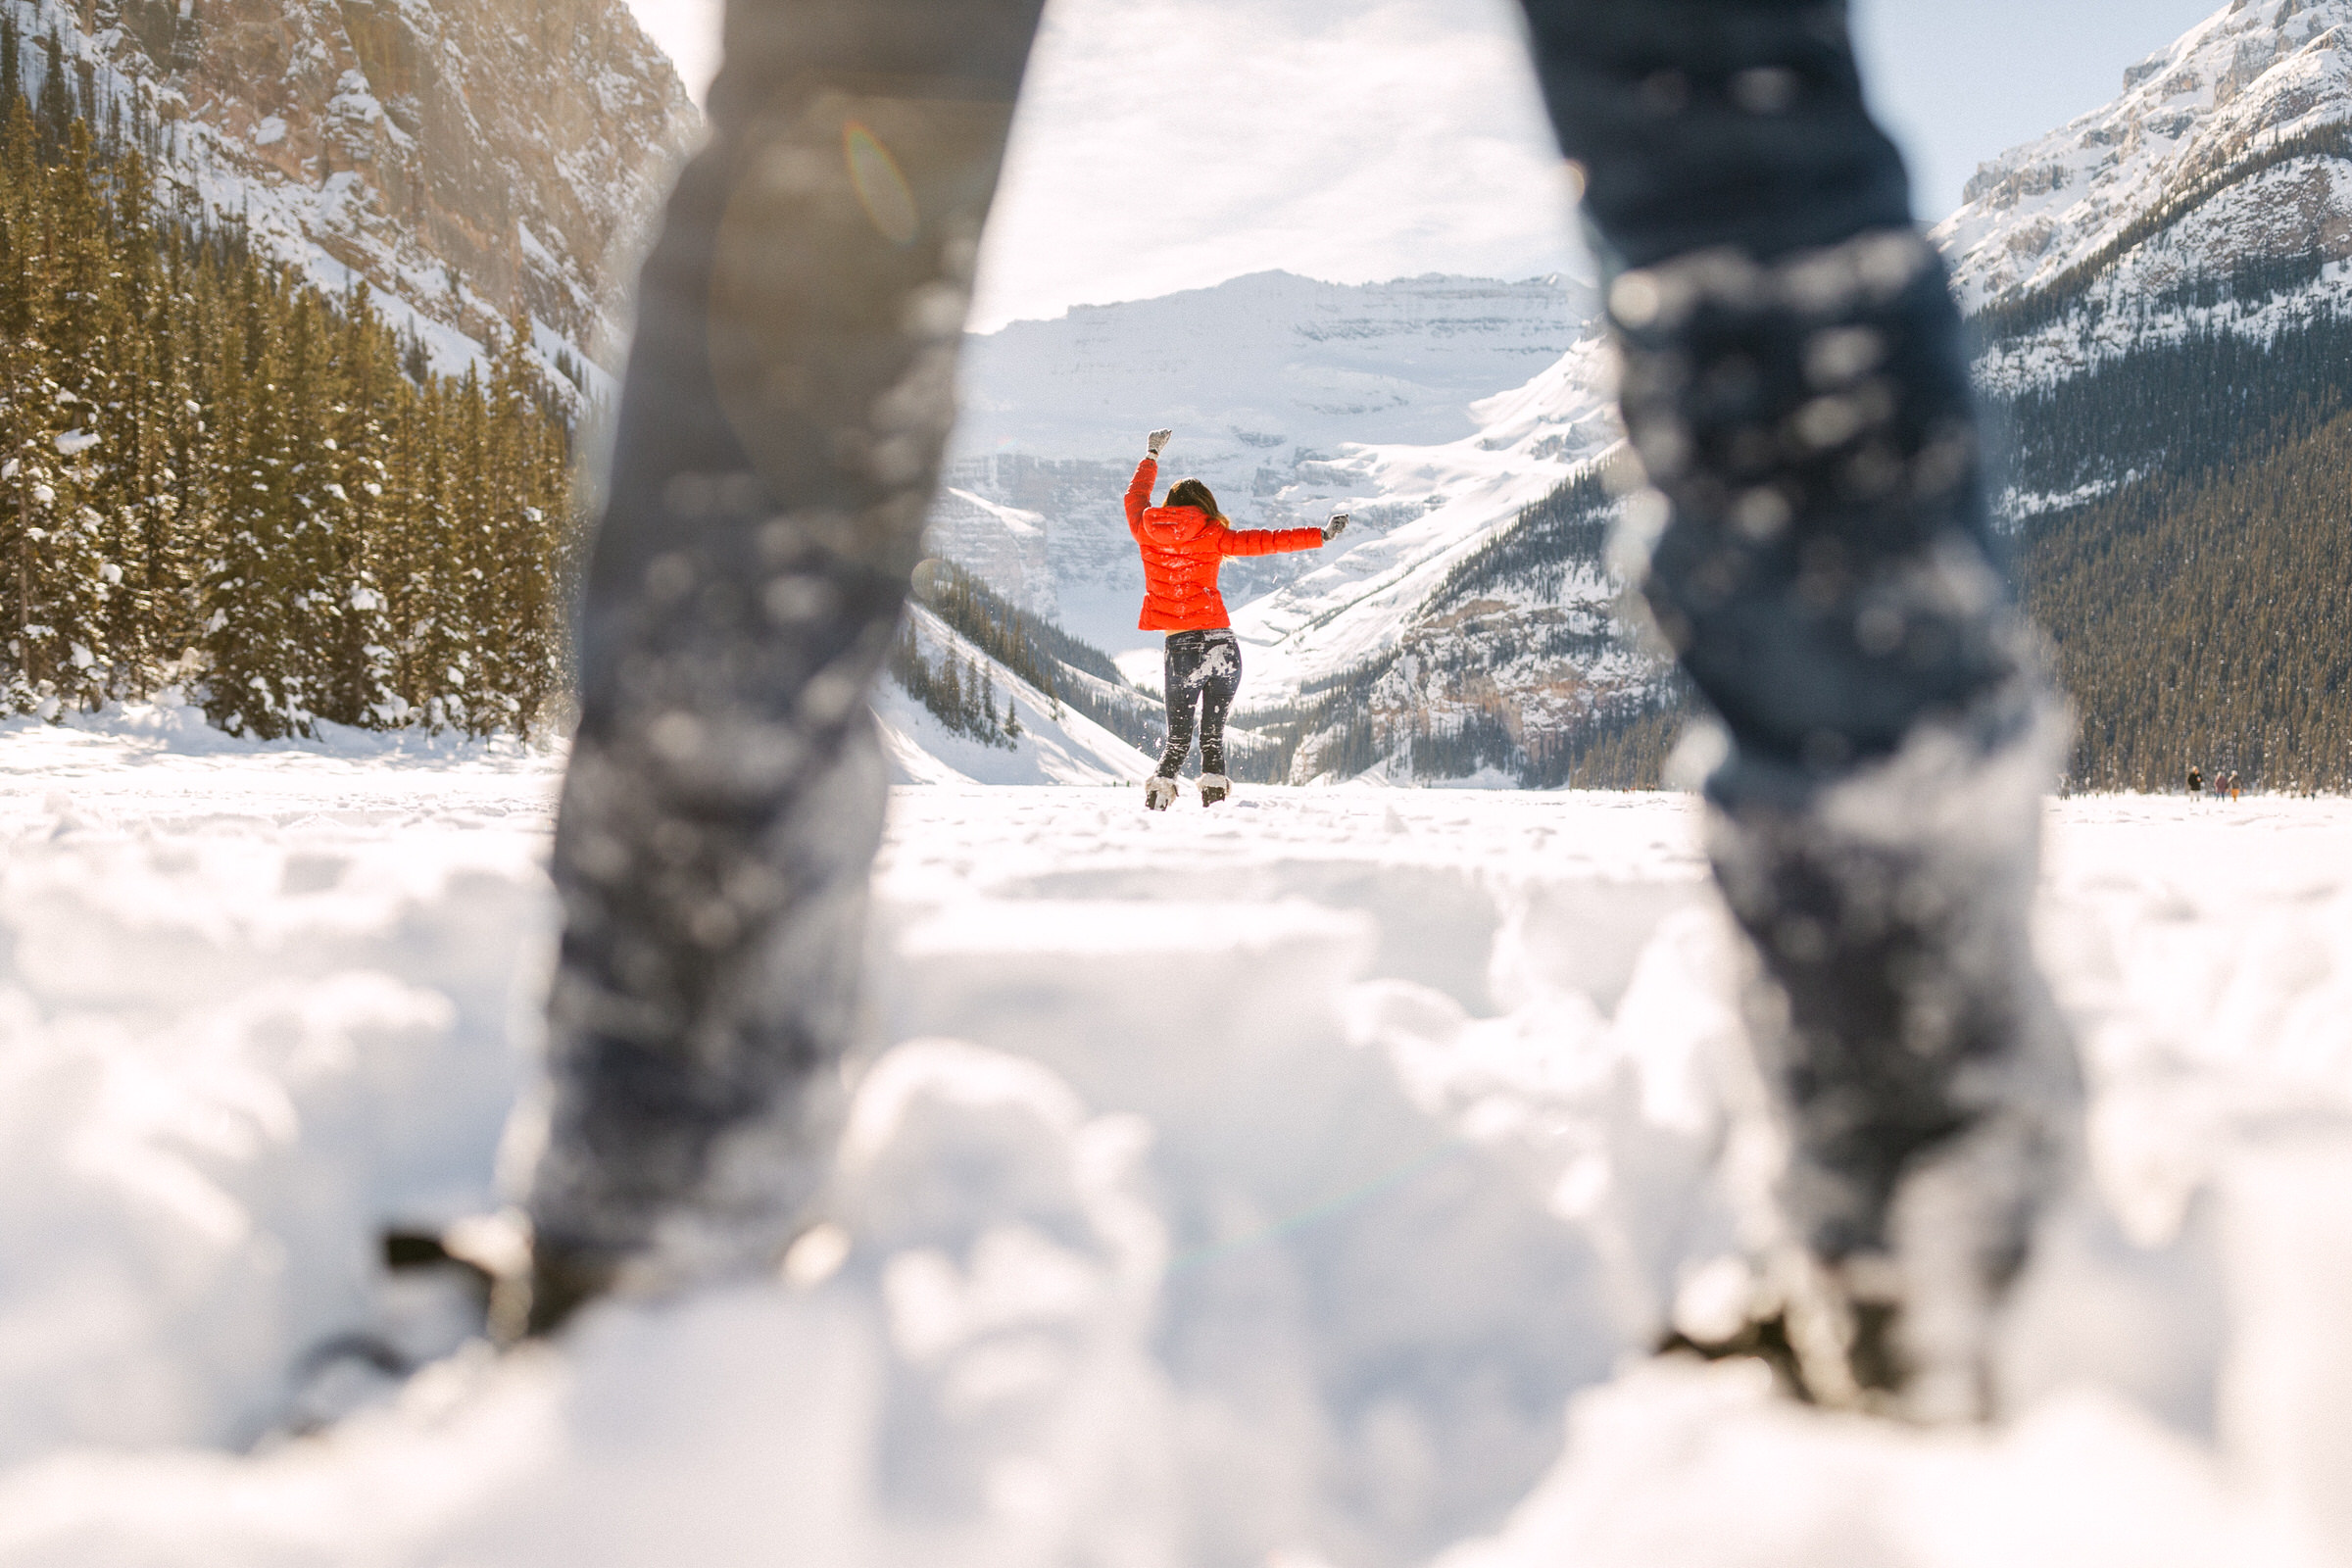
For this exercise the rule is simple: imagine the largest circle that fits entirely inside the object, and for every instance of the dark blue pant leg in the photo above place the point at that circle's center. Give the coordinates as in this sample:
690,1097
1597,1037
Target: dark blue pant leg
1179,680
788,395
1821,560
1220,683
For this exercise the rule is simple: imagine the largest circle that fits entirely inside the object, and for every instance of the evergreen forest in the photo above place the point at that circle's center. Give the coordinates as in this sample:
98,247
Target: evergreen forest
2199,605
960,693
218,477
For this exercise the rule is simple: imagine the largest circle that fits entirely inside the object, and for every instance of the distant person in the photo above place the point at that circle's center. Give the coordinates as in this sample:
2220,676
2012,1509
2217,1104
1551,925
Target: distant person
1184,541
1818,554
2196,782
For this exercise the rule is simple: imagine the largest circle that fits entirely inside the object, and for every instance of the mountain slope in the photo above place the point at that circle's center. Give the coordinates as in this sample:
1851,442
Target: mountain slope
464,158
2162,292
1049,743
2214,194
2228,593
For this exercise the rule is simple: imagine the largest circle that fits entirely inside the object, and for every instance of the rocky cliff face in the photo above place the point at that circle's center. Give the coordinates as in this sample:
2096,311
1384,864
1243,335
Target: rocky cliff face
464,158
2215,194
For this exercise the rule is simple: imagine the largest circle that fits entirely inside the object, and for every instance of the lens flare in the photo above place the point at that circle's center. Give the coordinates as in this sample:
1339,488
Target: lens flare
881,189
929,577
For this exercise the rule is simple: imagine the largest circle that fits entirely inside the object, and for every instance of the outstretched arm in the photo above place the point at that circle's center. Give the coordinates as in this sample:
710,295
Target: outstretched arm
1268,541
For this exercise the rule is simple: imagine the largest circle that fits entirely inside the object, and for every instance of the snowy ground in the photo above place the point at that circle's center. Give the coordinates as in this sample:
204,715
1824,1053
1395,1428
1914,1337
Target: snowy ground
1293,1185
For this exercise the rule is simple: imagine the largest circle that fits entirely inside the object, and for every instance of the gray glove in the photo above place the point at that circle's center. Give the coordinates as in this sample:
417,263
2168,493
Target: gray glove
1333,529
1160,438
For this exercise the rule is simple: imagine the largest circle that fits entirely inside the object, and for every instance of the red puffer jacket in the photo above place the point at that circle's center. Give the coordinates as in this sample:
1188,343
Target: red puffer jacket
1183,547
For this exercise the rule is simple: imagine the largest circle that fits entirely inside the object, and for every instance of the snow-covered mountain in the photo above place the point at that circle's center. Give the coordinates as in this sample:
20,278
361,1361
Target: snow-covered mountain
1403,401
1430,508
2215,194
461,156
1436,410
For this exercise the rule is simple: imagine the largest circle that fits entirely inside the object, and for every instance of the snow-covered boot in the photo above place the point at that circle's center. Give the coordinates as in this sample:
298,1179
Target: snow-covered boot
1214,787
1158,793
1911,1054
789,397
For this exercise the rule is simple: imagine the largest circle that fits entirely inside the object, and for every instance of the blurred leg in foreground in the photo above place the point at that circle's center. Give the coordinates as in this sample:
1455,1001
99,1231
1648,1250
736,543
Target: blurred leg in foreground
1822,561
787,400
1820,556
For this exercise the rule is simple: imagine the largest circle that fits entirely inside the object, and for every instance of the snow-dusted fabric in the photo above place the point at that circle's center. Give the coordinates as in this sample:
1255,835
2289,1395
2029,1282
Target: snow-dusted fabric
1705,124
1819,551
1202,672
789,392
1183,547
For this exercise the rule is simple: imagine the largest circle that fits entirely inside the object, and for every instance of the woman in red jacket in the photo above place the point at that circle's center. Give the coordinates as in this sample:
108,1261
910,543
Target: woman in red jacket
1183,542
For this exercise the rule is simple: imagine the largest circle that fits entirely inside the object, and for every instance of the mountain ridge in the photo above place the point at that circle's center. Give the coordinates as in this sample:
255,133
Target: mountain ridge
2213,194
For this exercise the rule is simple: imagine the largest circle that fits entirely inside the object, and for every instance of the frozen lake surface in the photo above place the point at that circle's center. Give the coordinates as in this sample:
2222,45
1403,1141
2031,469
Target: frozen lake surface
1298,1184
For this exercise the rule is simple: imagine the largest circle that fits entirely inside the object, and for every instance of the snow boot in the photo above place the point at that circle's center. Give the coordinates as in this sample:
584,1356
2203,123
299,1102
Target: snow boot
1914,1060
1827,1334
1214,787
1158,793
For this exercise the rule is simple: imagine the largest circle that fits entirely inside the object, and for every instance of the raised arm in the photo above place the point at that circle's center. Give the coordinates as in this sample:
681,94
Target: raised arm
1138,493
1146,474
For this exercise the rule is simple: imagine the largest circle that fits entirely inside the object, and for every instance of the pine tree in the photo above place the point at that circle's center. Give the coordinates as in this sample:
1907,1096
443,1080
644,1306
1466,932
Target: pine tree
949,687
254,668
363,670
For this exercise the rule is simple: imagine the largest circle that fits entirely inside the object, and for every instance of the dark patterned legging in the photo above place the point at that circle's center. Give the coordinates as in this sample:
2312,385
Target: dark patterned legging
1203,671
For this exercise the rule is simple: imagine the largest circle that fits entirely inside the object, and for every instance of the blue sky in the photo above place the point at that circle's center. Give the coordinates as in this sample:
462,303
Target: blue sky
1958,80
1365,139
